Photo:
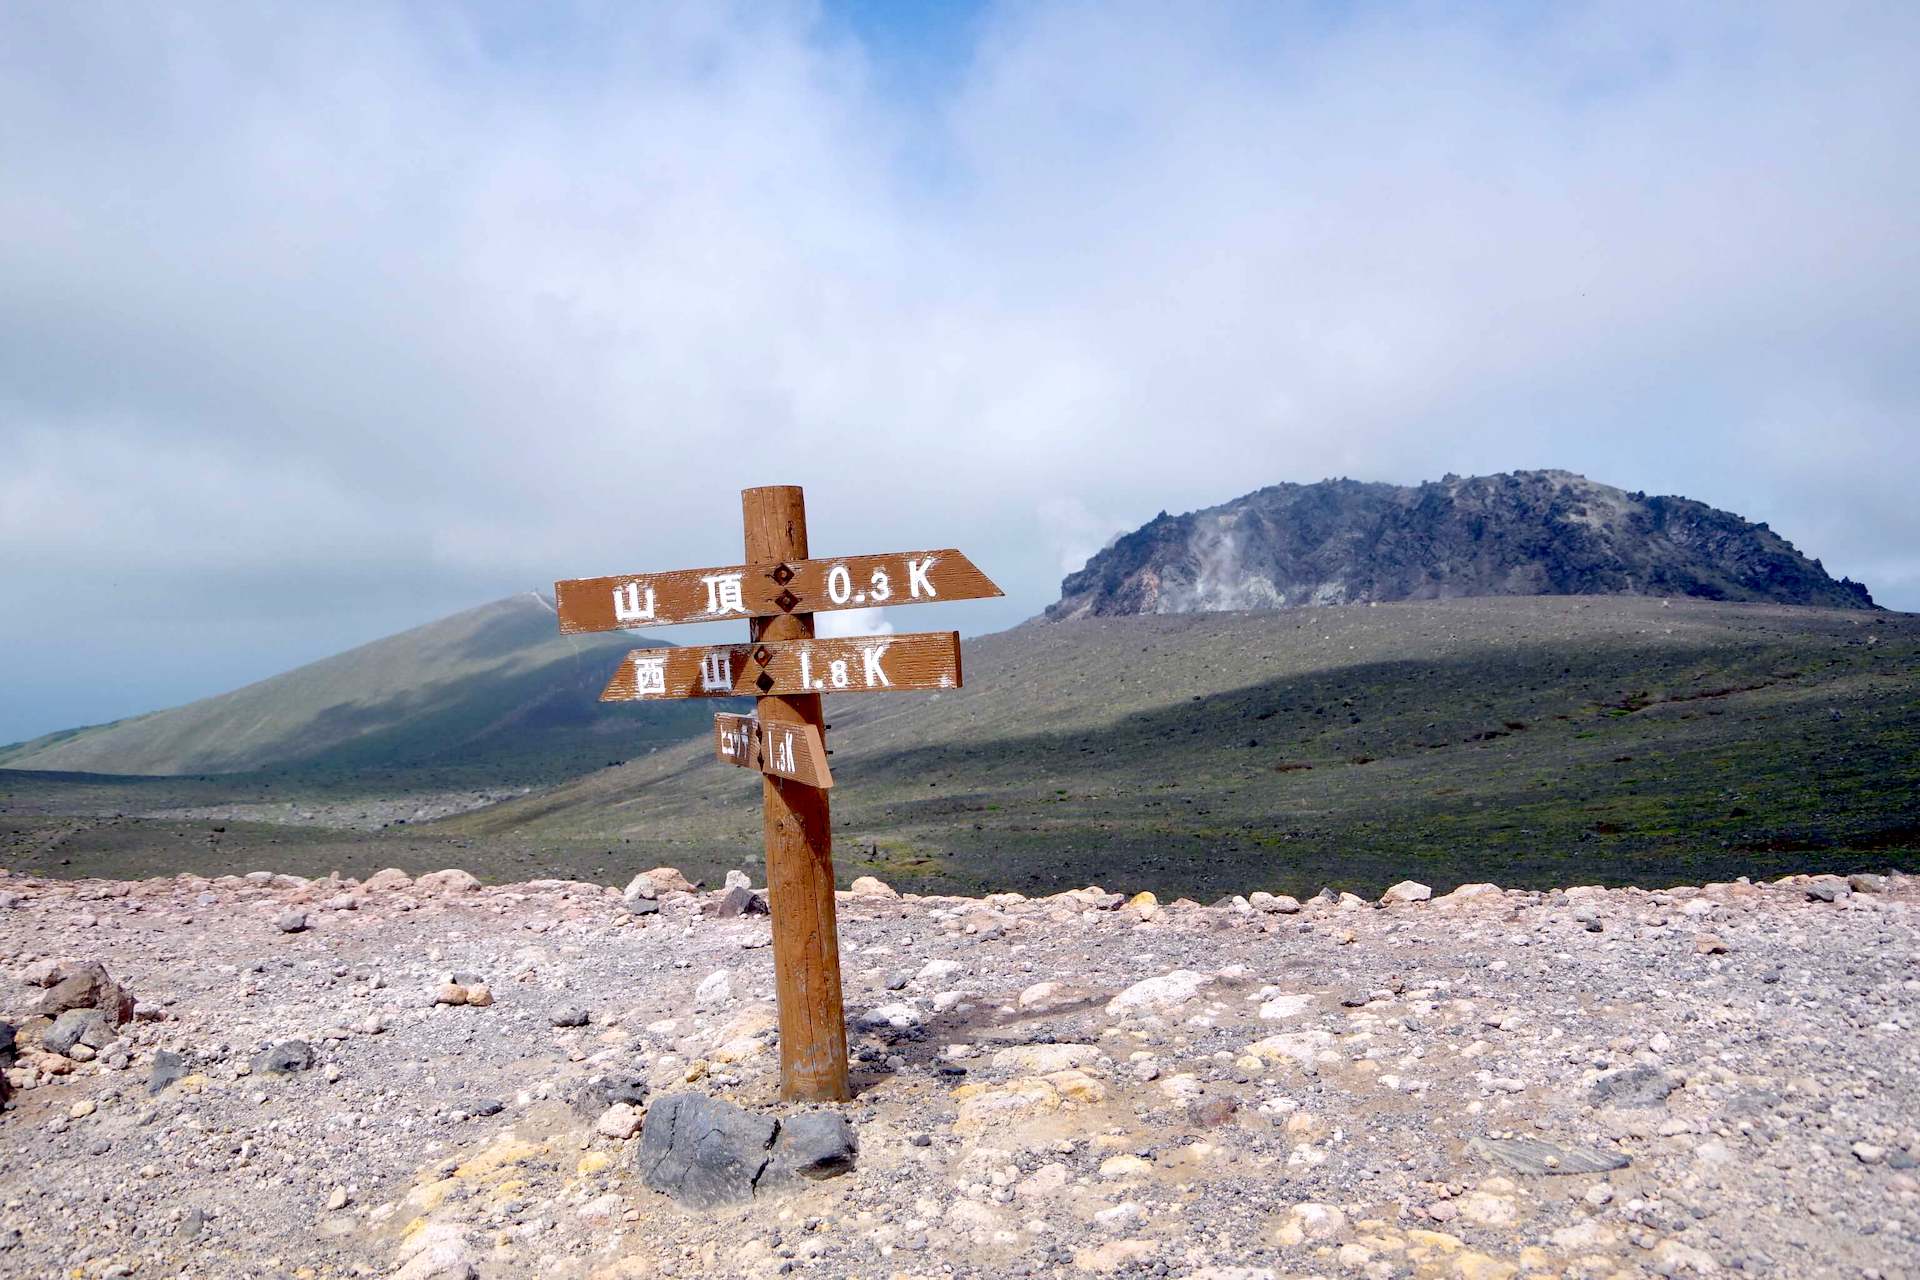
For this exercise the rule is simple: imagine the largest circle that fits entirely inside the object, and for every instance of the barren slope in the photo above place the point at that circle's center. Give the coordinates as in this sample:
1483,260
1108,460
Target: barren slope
1519,739
494,684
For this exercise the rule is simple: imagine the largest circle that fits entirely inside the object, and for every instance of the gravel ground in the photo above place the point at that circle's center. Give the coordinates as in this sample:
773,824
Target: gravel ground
1699,1080
357,813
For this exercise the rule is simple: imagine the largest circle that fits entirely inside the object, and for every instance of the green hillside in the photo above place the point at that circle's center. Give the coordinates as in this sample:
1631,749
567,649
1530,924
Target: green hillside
495,693
1523,740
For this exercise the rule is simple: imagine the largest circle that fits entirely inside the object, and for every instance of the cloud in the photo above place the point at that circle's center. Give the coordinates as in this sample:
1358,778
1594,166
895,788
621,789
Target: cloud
333,321
854,622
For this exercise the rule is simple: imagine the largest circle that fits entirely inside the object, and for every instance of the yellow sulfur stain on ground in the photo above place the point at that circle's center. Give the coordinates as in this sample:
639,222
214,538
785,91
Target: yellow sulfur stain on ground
507,1190
1077,1086
502,1153
1478,1266
426,1197
593,1162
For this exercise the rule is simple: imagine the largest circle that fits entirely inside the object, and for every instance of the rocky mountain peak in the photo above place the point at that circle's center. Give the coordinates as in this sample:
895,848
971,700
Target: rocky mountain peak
1345,541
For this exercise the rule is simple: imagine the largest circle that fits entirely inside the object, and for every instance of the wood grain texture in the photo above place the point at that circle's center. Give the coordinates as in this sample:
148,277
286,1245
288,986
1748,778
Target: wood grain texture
799,840
768,589
788,751
852,664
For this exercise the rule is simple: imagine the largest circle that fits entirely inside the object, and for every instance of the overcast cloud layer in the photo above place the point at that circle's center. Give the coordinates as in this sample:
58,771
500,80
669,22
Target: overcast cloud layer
321,321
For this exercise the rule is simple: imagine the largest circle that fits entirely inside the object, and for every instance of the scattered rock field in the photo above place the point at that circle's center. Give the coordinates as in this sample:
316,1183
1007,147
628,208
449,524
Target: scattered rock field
435,1079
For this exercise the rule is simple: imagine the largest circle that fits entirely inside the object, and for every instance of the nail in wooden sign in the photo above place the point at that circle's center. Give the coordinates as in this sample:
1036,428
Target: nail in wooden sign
794,751
765,591
781,668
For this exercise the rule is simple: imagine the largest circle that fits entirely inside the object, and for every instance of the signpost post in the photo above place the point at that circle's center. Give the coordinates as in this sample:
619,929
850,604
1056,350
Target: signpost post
786,670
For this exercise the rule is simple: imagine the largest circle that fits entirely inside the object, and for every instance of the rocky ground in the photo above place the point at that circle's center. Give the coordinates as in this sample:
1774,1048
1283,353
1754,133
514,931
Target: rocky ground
433,1078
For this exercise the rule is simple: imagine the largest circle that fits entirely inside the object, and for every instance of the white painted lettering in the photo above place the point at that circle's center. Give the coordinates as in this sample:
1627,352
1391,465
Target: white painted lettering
627,606
882,588
918,583
723,593
871,670
716,671
838,667
649,673
806,670
839,584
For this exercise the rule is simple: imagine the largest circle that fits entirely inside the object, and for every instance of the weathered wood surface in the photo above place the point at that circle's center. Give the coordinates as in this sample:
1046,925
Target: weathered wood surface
799,838
788,751
768,667
768,590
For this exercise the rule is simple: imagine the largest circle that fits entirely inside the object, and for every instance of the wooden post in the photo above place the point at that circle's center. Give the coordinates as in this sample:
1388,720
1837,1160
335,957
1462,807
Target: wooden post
806,939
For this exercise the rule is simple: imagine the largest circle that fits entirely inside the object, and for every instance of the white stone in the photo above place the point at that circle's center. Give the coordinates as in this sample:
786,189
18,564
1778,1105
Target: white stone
1286,1006
899,1015
451,880
1407,891
714,989
939,970
1160,995
1044,1059
620,1120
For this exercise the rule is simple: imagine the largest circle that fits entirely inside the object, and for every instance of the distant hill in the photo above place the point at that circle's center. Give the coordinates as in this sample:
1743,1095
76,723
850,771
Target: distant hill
494,688
1522,533
1527,740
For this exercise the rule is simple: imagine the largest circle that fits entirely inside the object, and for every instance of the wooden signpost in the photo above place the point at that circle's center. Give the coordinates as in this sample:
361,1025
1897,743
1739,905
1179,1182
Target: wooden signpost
777,591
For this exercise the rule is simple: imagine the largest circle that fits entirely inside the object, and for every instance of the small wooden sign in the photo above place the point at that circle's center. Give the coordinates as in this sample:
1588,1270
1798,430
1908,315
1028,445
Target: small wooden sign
794,751
765,591
782,668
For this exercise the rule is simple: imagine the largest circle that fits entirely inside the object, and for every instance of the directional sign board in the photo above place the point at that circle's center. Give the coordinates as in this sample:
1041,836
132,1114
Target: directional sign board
781,668
737,591
786,668
794,751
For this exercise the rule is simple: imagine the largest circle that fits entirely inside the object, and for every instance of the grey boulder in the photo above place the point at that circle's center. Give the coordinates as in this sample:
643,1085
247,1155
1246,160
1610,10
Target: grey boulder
738,902
813,1144
1633,1087
704,1152
1530,1155
168,1067
78,1026
285,1058
88,987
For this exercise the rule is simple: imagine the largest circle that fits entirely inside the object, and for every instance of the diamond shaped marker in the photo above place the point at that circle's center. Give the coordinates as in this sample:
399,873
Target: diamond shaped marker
782,575
765,682
786,600
763,655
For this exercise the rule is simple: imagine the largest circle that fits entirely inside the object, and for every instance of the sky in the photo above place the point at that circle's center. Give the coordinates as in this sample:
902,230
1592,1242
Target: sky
322,321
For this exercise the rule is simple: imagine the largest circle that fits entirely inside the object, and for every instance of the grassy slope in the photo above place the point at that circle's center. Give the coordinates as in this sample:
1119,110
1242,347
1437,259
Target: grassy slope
491,693
1528,740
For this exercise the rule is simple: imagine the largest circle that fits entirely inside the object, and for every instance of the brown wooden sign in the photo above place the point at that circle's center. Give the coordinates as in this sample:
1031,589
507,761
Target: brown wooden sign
791,587
794,751
786,670
777,668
